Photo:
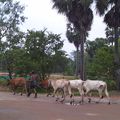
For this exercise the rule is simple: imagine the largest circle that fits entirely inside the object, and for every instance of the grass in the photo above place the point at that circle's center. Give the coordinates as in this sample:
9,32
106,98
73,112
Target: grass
59,76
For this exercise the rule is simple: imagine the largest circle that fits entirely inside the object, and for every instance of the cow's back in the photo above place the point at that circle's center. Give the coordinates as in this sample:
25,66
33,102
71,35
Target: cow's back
18,81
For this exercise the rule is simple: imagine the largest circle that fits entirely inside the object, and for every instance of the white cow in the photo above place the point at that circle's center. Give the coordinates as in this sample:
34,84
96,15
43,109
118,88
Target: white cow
61,84
77,84
98,85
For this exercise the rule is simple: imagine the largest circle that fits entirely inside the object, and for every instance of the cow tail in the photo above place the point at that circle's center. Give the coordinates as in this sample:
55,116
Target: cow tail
69,89
107,94
106,91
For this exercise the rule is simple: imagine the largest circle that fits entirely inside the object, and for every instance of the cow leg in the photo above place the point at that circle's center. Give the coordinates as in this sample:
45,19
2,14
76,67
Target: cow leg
14,90
28,92
88,94
100,91
35,91
23,89
54,92
60,90
63,96
70,94
82,95
48,91
21,93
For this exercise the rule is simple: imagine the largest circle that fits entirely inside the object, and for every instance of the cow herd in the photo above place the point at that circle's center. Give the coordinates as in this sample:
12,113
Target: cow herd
63,85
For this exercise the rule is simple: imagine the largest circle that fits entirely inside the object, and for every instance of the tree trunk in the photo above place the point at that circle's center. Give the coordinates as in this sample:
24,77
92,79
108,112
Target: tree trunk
82,65
77,62
117,59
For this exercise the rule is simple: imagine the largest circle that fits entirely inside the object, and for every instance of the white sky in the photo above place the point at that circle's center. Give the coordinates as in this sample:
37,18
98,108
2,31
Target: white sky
41,15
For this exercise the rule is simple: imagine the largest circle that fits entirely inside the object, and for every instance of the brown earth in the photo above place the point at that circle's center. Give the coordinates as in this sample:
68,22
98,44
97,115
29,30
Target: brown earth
16,107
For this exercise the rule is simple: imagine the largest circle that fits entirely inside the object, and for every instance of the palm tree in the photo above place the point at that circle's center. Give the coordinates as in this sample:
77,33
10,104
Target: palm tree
79,13
74,37
112,19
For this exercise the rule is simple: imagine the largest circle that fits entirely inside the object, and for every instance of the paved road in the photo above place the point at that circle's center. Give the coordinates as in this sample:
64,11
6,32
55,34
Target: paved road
16,107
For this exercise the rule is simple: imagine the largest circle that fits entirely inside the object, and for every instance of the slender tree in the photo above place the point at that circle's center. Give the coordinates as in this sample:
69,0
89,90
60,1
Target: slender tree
74,37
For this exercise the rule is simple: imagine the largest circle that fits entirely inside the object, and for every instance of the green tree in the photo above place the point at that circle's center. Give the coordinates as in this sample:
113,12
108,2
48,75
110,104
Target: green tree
102,65
112,19
11,16
70,67
41,47
59,61
92,46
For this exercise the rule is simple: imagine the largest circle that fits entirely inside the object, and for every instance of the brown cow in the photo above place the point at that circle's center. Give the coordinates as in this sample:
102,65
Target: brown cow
46,85
18,82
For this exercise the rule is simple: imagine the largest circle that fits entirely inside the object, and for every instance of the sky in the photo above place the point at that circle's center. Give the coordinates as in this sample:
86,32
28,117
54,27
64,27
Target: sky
40,15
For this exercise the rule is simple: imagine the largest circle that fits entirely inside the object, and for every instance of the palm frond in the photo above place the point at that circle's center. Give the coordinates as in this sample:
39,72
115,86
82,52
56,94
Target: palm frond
60,5
112,18
101,6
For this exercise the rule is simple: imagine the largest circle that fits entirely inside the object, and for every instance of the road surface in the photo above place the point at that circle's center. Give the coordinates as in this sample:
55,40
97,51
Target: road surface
16,107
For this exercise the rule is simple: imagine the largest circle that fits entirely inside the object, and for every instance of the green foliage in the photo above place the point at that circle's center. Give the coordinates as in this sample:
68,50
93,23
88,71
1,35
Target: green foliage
11,16
44,49
11,38
111,84
92,46
70,67
3,82
102,65
40,51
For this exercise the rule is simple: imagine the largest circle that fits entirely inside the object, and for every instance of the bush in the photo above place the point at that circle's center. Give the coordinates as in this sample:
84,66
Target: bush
111,84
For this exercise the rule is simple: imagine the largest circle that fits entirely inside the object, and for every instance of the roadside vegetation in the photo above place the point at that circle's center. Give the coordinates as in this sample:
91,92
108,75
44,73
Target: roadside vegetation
41,50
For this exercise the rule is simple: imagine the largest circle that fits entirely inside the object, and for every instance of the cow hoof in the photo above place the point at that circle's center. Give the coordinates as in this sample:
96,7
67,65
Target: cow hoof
89,100
61,102
57,99
35,96
81,102
71,102
97,102
28,95
109,103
